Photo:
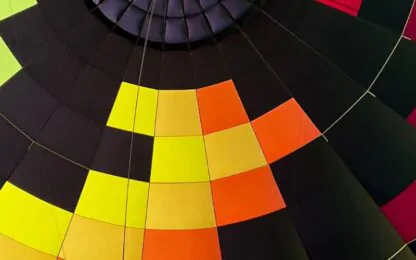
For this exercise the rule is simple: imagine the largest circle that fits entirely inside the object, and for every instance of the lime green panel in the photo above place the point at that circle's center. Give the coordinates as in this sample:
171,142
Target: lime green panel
8,64
11,7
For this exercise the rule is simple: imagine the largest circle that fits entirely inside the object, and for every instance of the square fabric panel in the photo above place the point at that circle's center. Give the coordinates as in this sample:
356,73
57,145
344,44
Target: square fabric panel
177,113
134,109
284,130
233,151
200,244
50,178
44,225
246,196
26,104
72,135
123,111
179,159
11,249
269,237
113,154
10,65
103,198
91,239
180,206
220,107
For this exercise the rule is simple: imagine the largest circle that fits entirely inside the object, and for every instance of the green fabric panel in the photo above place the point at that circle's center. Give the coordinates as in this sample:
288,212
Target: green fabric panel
8,64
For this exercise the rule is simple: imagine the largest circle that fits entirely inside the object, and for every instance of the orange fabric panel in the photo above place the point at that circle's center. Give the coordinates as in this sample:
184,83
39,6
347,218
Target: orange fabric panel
245,196
220,107
201,244
283,130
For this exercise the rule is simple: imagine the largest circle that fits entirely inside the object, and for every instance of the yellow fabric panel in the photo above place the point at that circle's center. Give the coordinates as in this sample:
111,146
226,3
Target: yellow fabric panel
177,113
122,113
146,111
32,221
233,151
13,250
9,65
134,244
11,7
103,198
137,203
89,239
180,206
179,159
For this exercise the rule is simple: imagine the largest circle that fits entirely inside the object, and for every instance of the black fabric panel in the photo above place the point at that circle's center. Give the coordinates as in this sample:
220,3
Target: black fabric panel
270,34
388,14
141,161
112,155
269,237
151,68
260,90
72,135
357,47
25,41
62,14
86,36
378,146
396,84
56,69
333,214
26,104
323,91
176,70
308,172
238,53
94,94
12,149
342,222
132,72
208,66
288,12
113,56
50,178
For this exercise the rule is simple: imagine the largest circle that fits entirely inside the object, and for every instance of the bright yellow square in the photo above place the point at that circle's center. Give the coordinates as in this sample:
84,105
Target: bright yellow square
32,221
180,206
137,204
103,198
8,63
177,113
146,111
233,151
122,113
134,101
179,159
13,250
92,239
11,7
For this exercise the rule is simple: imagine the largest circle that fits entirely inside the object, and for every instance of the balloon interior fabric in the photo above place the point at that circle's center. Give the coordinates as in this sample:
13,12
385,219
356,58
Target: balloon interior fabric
201,129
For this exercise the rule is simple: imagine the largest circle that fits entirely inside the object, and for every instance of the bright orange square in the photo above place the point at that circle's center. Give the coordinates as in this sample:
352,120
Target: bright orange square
201,244
283,130
245,196
220,107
